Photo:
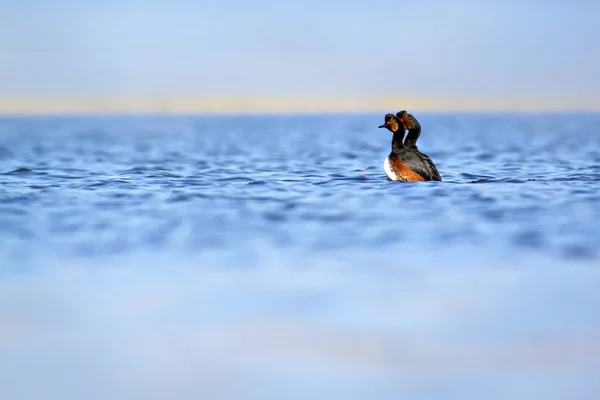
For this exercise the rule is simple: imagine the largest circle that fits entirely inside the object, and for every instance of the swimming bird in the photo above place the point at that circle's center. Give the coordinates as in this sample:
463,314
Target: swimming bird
413,126
405,162
414,131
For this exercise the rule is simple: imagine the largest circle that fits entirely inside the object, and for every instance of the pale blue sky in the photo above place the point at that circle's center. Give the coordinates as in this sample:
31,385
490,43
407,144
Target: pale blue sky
268,48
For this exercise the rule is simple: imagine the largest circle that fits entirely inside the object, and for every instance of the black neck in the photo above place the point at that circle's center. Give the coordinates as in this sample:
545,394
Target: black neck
412,137
397,139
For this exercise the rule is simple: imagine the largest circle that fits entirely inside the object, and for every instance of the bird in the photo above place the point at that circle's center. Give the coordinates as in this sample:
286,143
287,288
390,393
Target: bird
413,126
414,131
405,161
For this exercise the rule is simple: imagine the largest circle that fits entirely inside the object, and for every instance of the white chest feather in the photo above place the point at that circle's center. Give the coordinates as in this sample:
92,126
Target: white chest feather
389,172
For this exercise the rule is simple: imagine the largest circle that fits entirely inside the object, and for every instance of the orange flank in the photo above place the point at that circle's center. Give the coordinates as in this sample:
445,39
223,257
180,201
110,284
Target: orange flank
403,172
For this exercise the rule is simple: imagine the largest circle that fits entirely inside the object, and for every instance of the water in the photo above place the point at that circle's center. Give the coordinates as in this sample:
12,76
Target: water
267,257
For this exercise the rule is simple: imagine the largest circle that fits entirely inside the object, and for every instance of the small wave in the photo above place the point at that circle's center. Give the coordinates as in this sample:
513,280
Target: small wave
579,252
164,175
483,180
476,177
20,171
258,183
235,179
275,216
349,156
181,197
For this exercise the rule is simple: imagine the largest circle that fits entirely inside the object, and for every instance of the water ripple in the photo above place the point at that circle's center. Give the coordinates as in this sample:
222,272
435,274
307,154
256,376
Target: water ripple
302,182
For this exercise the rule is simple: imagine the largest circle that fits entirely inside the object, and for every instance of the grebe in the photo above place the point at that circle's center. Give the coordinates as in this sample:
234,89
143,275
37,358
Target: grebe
413,126
414,131
405,162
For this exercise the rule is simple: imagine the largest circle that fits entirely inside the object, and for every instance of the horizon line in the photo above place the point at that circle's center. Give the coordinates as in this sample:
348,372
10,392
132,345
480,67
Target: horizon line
255,105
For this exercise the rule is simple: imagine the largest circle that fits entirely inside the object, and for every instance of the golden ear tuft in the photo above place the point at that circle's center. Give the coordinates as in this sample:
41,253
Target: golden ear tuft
408,120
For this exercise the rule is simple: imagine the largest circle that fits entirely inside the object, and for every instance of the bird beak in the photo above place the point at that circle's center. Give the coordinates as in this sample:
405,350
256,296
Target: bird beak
382,126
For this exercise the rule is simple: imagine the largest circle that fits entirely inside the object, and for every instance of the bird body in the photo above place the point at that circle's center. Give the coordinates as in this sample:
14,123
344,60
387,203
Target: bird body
405,161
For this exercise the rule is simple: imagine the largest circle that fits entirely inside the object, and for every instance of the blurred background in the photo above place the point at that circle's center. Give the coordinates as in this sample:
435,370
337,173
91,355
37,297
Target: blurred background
318,55
193,202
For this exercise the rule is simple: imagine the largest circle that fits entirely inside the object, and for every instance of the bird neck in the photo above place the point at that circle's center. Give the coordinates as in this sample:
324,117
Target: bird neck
412,137
397,139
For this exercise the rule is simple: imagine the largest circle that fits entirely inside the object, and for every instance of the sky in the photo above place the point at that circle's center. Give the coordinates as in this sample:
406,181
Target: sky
323,54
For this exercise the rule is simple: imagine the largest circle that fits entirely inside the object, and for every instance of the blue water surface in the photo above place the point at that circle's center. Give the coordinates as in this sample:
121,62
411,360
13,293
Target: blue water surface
268,257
